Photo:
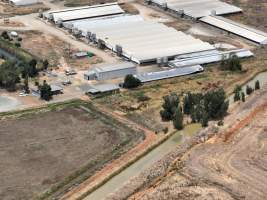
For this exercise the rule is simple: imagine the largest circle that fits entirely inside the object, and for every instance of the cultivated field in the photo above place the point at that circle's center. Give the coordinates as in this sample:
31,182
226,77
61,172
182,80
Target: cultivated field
57,147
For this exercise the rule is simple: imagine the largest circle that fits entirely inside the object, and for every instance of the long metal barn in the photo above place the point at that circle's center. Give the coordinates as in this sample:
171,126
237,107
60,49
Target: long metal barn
141,41
84,12
197,8
241,30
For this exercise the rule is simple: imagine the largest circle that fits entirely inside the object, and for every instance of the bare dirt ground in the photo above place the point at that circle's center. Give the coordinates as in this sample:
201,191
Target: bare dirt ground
220,163
7,10
72,3
254,13
52,48
42,148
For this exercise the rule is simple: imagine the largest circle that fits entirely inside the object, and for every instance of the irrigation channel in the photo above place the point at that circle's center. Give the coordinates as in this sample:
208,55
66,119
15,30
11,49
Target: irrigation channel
117,181
149,159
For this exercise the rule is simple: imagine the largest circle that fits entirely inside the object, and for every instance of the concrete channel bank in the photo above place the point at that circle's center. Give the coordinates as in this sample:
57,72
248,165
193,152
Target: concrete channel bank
117,181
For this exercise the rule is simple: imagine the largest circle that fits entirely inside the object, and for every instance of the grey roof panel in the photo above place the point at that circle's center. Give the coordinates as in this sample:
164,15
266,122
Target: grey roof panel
88,12
153,76
199,8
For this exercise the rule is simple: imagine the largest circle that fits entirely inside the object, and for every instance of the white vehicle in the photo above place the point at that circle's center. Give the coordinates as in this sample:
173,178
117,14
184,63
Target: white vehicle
23,94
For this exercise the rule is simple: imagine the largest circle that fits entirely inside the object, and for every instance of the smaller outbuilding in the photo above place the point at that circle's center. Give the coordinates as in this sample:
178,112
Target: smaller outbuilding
110,71
106,88
23,2
55,89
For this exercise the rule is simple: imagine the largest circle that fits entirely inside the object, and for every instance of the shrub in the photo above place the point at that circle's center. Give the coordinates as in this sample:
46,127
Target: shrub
131,82
17,44
249,90
257,85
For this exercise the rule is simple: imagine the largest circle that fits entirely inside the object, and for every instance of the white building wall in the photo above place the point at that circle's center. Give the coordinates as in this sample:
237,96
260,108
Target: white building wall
115,74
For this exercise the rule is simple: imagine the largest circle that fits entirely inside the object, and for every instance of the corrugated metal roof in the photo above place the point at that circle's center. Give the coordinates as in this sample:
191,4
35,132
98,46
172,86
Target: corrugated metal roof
144,41
153,76
87,12
199,8
100,88
208,58
80,8
87,24
113,66
236,28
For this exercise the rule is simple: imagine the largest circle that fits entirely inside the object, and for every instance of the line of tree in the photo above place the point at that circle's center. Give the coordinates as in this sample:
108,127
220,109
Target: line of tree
200,107
10,75
240,95
12,72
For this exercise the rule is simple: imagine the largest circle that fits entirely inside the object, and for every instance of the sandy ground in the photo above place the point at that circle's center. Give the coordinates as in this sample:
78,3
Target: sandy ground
41,150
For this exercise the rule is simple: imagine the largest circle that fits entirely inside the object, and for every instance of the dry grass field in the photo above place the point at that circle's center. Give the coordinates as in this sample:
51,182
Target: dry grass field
7,10
57,147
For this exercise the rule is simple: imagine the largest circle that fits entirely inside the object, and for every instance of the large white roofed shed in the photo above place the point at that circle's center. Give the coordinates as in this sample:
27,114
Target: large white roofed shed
145,41
198,8
86,12
236,28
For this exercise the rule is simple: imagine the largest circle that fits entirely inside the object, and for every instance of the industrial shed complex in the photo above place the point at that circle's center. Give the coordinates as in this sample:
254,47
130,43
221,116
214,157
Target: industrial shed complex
197,8
138,40
236,28
141,41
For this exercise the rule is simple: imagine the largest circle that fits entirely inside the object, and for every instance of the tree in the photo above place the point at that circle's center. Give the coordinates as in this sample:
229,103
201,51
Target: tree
26,85
45,91
29,69
17,44
215,104
32,68
237,93
233,63
45,64
178,119
5,35
205,119
170,104
243,97
131,82
9,75
257,85
249,90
